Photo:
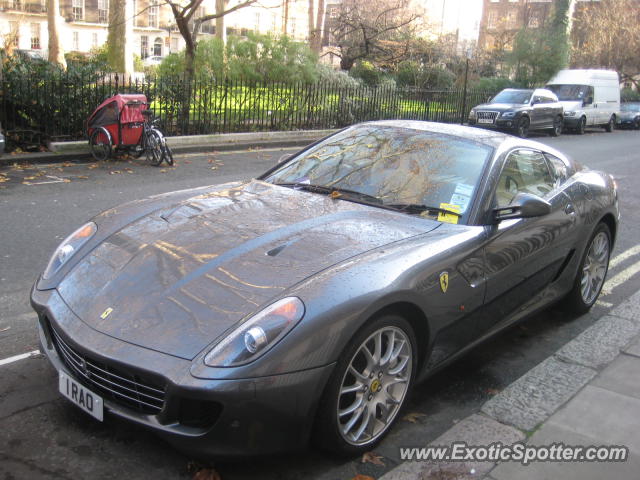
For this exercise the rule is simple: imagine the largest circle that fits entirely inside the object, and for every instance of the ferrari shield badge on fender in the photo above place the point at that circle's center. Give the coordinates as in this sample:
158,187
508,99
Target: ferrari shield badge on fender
108,311
444,281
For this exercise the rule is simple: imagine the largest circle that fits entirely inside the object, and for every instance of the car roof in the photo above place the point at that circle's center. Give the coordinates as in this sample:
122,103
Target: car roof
491,138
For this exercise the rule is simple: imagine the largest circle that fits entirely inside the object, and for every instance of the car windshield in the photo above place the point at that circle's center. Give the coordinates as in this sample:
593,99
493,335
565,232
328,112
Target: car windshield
630,107
391,166
513,96
568,93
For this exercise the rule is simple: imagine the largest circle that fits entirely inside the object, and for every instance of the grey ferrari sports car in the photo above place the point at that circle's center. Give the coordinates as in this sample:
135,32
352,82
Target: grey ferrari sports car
251,317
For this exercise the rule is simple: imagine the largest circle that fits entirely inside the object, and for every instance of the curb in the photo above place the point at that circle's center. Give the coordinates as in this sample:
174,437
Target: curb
79,150
512,415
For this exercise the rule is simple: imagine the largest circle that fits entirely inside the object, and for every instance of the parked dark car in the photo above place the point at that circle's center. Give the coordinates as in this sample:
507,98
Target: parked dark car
249,317
520,111
629,115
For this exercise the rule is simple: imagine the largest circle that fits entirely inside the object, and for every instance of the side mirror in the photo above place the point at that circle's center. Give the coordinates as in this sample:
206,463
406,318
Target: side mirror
524,205
587,101
284,158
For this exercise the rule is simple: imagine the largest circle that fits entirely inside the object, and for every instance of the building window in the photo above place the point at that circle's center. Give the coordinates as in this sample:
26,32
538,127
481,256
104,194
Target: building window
103,11
76,41
492,21
14,32
35,36
512,19
174,45
78,9
17,4
157,47
534,22
257,20
144,46
94,40
153,14
292,24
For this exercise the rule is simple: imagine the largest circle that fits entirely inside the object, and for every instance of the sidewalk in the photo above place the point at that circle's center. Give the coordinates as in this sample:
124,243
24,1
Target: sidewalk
586,394
65,151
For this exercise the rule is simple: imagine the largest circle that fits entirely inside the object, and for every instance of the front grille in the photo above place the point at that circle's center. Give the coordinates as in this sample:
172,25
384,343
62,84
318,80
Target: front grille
487,116
122,387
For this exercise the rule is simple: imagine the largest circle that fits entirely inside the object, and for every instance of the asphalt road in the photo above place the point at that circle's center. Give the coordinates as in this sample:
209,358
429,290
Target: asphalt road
43,436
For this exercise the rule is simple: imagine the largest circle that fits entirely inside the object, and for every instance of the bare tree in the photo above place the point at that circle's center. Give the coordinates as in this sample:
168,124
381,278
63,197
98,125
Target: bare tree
188,23
365,29
606,35
56,53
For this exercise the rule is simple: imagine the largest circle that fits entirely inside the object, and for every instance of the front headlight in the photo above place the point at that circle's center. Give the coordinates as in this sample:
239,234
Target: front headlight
257,335
472,113
508,114
68,247
569,114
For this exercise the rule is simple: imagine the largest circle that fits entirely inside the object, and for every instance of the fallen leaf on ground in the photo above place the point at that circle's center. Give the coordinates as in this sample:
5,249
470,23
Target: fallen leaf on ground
413,417
335,194
164,170
29,178
113,172
370,457
84,177
214,168
5,329
92,166
67,164
493,391
362,477
207,474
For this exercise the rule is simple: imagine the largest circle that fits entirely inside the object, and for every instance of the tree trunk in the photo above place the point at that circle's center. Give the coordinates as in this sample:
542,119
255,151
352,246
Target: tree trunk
120,38
56,54
310,22
285,17
221,31
316,43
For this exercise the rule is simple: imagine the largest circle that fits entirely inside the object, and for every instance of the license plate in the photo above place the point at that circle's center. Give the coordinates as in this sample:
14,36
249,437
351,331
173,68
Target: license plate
485,120
81,396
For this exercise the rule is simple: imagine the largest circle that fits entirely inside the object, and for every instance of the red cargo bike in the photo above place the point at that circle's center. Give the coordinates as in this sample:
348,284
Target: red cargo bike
123,123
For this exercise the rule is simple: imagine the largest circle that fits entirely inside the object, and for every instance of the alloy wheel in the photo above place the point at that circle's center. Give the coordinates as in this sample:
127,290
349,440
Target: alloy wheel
374,385
594,268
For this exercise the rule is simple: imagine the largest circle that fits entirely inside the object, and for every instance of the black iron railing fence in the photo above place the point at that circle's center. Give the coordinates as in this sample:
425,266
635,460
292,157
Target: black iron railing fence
58,106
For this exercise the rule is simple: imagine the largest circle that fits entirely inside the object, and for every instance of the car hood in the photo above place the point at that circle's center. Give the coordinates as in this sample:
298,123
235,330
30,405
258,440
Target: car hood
500,107
177,278
627,115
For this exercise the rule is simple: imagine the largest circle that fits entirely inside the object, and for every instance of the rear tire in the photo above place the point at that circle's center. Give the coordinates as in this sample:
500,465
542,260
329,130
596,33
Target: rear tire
100,144
368,387
153,148
556,131
611,125
592,271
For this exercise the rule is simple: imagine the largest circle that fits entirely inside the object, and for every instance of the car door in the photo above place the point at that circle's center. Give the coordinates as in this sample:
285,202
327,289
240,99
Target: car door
538,112
524,255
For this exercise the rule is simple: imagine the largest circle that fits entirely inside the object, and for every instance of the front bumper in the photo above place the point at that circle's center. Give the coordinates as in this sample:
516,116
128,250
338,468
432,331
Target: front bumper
505,124
206,417
626,123
573,121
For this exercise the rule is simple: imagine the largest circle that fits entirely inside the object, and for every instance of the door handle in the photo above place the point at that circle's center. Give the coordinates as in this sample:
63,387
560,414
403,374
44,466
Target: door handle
569,210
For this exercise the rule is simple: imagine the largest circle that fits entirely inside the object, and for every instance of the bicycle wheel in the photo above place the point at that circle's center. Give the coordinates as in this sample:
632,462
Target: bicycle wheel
153,147
100,144
167,154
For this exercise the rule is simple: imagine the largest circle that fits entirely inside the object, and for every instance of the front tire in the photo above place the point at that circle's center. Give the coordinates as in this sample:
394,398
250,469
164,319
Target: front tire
368,387
581,126
522,130
153,148
592,271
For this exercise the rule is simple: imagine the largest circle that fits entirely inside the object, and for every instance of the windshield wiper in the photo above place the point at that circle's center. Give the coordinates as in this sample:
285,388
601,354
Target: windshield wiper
417,208
329,190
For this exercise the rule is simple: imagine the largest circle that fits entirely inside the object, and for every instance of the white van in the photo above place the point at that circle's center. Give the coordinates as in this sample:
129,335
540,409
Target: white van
589,97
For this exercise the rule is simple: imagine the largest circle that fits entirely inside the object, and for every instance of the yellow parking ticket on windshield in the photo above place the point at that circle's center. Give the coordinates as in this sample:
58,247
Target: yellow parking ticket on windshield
449,217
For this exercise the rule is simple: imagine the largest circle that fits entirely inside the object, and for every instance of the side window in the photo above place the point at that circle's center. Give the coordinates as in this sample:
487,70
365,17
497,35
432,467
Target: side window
524,171
559,170
538,99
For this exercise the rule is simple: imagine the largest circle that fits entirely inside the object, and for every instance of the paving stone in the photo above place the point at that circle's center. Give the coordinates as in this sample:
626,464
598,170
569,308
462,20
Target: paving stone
599,344
620,376
551,433
475,430
629,309
538,393
633,348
